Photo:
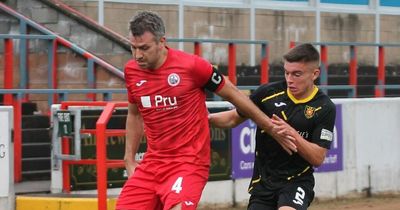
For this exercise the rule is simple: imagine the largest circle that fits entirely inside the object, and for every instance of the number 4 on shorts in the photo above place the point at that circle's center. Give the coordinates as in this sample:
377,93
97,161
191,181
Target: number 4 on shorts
177,186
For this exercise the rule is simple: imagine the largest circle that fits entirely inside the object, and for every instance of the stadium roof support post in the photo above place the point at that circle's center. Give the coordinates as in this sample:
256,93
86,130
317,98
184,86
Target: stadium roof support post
197,48
16,103
324,65
232,63
8,69
353,67
17,137
264,76
380,92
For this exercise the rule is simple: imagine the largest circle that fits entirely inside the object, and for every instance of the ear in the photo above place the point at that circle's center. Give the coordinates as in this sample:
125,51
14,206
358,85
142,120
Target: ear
316,73
162,41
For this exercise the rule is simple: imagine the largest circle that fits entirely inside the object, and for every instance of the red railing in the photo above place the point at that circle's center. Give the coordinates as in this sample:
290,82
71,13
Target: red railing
232,44
54,41
379,92
9,100
102,163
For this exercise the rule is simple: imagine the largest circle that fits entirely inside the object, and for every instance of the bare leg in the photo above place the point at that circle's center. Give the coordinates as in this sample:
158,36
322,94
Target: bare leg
177,207
286,208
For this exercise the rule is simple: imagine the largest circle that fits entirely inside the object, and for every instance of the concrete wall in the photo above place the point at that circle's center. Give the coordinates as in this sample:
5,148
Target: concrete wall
73,30
371,138
71,67
349,28
277,26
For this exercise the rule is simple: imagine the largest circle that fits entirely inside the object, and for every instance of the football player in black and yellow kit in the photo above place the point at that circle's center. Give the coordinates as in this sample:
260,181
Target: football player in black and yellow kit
301,114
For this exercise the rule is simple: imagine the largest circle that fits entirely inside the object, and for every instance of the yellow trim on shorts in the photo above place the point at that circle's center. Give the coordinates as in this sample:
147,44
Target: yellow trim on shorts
299,174
253,182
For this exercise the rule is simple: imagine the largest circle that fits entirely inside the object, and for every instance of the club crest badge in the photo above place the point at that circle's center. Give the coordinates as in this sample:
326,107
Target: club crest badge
173,79
309,112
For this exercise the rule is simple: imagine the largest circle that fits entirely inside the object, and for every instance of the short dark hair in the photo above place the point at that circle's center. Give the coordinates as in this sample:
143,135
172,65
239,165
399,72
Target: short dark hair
147,21
302,53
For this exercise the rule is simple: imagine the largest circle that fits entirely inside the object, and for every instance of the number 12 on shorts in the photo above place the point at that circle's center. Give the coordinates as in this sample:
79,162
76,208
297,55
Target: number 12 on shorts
300,194
177,186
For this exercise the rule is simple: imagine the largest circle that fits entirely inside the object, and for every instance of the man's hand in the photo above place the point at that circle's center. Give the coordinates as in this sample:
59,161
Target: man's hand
284,134
130,166
311,152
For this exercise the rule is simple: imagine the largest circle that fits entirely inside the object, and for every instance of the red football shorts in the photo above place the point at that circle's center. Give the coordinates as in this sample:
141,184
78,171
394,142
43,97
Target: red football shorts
158,185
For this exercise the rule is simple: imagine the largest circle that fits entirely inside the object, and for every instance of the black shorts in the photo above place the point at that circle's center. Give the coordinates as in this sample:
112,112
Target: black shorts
297,193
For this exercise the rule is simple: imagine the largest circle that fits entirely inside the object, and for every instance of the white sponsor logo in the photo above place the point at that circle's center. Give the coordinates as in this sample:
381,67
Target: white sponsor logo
141,82
279,104
146,101
247,140
189,203
303,134
326,135
159,101
246,165
173,79
165,101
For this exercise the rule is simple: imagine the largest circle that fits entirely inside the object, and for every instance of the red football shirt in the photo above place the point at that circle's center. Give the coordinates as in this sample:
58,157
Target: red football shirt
171,100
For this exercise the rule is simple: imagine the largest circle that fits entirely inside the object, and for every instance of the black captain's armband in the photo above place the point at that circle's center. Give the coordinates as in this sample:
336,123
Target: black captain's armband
215,80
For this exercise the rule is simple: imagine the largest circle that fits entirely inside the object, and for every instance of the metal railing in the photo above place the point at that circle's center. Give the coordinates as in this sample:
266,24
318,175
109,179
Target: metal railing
53,41
101,132
379,92
232,43
381,88
349,88
14,97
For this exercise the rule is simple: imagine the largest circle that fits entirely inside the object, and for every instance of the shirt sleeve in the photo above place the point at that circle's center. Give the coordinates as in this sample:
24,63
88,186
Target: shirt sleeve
256,98
129,85
130,96
322,135
257,95
206,76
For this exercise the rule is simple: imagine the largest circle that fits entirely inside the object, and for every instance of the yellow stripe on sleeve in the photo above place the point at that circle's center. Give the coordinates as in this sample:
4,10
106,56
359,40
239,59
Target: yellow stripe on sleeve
272,96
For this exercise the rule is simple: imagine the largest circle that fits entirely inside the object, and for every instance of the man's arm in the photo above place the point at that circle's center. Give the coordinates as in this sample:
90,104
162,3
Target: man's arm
134,133
246,107
226,119
311,152
230,93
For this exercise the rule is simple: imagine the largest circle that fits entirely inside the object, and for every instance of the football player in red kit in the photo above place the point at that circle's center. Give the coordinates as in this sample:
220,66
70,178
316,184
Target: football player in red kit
166,93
